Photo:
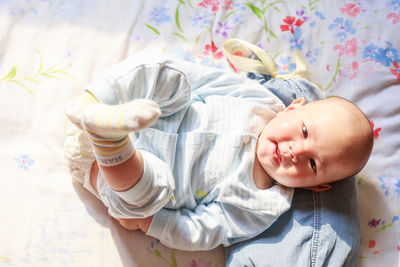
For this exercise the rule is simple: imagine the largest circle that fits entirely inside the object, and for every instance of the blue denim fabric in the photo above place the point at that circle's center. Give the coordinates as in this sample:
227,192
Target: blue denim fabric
320,229
289,90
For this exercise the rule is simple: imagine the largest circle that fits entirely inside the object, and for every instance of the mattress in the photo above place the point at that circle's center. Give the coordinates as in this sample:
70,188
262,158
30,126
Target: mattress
50,50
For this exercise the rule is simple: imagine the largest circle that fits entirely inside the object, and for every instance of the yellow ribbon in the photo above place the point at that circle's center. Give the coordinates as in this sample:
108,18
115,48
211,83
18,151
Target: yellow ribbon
238,51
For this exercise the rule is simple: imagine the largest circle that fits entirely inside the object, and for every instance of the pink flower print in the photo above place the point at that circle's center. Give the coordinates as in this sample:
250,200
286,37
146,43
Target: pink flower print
291,22
351,9
200,263
376,131
354,67
210,4
212,49
378,251
395,17
350,71
371,244
374,223
350,48
228,4
396,70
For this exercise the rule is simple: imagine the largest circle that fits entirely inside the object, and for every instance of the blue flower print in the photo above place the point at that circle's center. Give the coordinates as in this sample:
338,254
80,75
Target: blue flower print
397,186
24,162
201,19
395,4
285,66
159,15
319,15
342,28
385,56
389,184
295,41
312,55
384,186
236,16
183,54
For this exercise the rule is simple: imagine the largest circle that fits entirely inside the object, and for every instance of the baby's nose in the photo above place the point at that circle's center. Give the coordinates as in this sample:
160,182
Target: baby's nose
296,152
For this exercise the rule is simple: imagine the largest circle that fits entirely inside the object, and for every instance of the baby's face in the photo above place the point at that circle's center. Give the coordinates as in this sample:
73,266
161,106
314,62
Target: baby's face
306,145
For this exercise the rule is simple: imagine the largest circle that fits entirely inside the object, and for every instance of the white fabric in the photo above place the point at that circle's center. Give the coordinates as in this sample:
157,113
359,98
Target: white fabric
51,49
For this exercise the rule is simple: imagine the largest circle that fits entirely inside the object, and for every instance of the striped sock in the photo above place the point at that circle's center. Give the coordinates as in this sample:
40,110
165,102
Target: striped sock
74,109
108,127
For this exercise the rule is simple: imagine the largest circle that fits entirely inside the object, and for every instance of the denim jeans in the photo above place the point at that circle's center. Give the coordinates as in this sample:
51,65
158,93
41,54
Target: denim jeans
289,90
320,229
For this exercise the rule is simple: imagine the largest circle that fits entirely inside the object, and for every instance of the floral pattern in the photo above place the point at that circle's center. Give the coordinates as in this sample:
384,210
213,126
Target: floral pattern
24,162
350,46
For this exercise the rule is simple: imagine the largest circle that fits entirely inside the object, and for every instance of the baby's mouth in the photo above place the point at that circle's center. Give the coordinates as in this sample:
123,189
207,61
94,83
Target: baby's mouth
277,152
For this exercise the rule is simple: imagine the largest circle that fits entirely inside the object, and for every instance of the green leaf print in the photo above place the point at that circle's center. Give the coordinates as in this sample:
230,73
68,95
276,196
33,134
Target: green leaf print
53,72
334,75
178,24
153,29
174,263
312,5
258,12
259,8
11,74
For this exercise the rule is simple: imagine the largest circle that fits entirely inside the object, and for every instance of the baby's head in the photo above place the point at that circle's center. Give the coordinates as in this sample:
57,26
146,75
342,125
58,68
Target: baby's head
317,143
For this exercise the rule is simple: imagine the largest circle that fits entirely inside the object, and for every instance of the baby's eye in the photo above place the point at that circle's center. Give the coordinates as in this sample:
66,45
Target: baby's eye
305,132
313,165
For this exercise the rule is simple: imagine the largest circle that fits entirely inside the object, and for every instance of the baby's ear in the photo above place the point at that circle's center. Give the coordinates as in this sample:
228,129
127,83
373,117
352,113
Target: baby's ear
296,103
320,188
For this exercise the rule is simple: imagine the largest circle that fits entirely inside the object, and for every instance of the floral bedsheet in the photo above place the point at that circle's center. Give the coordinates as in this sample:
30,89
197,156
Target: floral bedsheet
50,49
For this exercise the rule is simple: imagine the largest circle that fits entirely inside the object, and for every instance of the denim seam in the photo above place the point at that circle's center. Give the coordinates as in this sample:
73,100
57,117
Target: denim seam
317,228
298,89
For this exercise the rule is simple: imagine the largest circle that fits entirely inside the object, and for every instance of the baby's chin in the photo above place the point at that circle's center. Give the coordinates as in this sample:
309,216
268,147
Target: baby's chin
285,181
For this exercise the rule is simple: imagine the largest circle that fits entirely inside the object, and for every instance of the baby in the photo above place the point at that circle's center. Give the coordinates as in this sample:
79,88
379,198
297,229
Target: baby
197,157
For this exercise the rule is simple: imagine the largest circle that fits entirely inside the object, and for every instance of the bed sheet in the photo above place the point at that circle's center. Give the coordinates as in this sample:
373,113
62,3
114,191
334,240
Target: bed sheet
51,49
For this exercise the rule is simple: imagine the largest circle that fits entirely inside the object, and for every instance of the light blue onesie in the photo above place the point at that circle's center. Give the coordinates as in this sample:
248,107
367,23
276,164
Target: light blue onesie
199,156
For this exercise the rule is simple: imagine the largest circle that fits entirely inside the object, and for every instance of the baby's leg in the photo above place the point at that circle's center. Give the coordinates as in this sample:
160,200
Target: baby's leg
108,127
129,224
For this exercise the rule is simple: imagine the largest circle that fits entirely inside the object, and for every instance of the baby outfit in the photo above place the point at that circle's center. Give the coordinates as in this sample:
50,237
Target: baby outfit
198,156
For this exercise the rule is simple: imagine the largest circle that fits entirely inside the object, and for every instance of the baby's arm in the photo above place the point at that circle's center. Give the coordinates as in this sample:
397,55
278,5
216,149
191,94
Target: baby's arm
203,229
208,226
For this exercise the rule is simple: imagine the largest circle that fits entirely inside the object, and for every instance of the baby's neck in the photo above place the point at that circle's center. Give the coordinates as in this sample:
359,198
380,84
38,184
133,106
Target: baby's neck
261,178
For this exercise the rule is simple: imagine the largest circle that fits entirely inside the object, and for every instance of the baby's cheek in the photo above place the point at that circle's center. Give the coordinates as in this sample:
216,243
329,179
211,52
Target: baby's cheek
295,172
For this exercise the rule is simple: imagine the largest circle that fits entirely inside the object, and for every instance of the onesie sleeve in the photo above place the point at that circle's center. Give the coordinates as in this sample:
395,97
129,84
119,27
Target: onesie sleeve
212,224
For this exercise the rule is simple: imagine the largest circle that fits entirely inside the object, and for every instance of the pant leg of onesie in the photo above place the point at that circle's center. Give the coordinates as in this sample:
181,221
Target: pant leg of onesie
154,190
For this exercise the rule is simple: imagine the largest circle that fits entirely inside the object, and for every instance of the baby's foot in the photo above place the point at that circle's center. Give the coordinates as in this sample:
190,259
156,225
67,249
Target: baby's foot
119,120
75,109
